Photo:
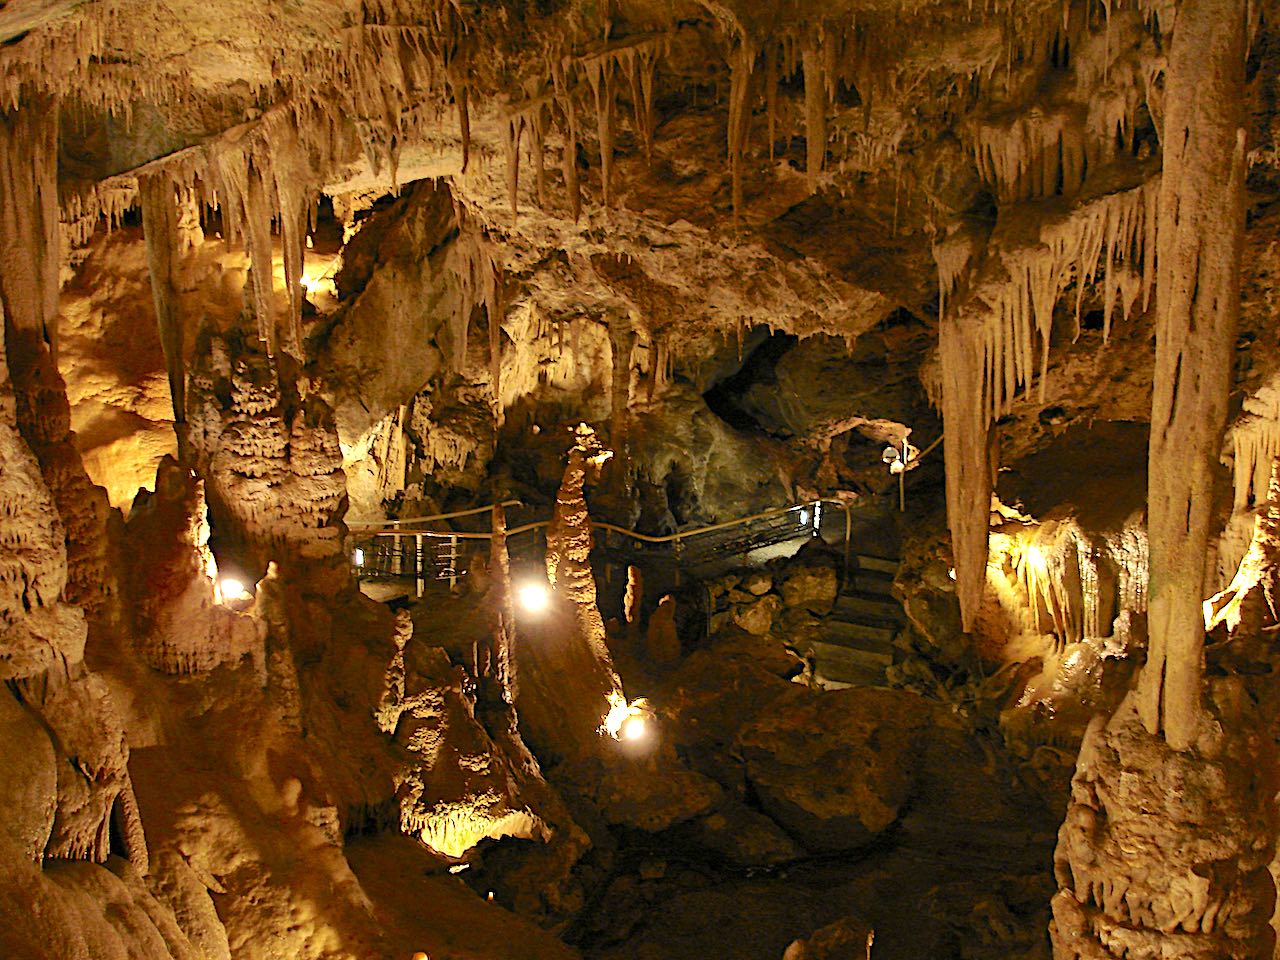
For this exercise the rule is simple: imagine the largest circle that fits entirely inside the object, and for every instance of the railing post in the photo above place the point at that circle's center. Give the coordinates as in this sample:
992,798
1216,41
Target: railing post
848,537
418,563
397,562
453,561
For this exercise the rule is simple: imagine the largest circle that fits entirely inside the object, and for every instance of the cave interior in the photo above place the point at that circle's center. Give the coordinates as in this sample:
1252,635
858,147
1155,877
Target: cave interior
639,479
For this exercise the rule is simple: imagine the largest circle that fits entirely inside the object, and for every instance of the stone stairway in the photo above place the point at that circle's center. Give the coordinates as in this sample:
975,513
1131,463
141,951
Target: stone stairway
857,639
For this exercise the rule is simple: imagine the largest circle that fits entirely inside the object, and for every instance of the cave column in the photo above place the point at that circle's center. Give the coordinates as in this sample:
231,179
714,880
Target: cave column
1200,240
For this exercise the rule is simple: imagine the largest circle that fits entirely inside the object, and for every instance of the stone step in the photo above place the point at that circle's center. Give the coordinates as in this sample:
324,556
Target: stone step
881,564
860,635
840,677
856,606
834,650
846,664
871,581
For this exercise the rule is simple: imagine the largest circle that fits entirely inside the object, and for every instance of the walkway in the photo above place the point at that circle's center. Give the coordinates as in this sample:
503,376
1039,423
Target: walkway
853,649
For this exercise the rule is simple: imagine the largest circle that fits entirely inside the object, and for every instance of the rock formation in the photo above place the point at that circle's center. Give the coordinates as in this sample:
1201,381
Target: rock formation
1166,851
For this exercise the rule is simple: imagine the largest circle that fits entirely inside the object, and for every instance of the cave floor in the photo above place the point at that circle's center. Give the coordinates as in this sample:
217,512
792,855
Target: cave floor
966,872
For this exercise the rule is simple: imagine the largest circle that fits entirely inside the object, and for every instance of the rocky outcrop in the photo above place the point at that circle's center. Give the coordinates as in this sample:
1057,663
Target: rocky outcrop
1166,852
181,627
457,787
847,939
863,741
270,459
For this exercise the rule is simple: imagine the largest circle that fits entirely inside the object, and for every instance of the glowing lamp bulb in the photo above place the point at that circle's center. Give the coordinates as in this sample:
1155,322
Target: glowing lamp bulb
804,516
232,589
534,597
634,727
359,557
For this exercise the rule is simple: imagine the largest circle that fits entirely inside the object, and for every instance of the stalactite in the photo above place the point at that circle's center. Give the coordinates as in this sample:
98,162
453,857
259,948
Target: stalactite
257,227
968,467
29,235
815,111
599,71
1201,237
1255,444
160,230
537,136
494,321
512,129
741,64
569,158
107,199
771,98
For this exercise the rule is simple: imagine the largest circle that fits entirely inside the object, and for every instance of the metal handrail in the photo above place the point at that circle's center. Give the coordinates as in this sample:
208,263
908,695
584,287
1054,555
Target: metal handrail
600,525
370,527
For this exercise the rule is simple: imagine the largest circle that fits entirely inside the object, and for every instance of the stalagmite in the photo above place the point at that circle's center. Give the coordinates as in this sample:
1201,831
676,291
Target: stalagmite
567,683
1200,238
1164,852
160,228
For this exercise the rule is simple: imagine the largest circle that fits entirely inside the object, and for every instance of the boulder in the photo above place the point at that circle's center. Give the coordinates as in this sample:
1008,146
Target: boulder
745,838
757,583
757,618
811,588
847,939
834,769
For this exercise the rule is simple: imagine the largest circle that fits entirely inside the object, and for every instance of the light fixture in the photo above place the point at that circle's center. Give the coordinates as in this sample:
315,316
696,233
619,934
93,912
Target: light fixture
230,588
359,557
804,516
634,727
534,597
628,722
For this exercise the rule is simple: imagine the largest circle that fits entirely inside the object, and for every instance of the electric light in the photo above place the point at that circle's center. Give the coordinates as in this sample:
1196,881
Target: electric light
534,597
359,557
804,516
634,727
231,588
627,722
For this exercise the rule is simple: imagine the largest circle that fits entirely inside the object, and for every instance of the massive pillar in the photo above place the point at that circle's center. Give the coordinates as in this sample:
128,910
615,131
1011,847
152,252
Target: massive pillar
567,683
1164,853
1199,242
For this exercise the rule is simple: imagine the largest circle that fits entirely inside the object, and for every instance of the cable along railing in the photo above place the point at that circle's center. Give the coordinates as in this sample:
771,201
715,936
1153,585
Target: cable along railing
405,550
